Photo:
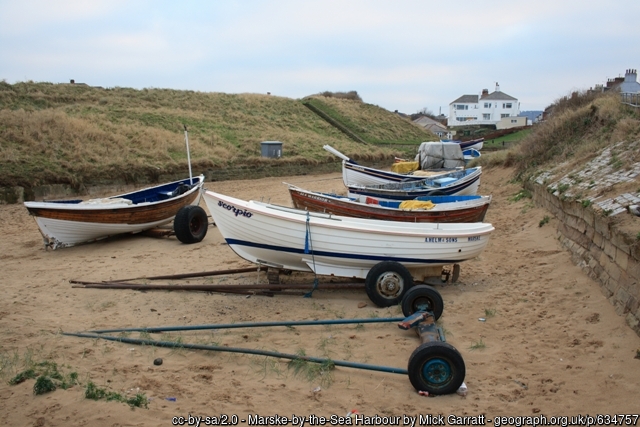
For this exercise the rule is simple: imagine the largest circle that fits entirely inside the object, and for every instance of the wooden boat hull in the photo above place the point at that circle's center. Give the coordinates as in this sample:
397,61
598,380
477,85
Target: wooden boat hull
68,223
464,182
472,210
294,239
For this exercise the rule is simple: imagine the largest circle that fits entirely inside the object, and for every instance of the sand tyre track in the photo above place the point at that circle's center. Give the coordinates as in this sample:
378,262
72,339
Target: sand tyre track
436,367
190,224
387,282
422,298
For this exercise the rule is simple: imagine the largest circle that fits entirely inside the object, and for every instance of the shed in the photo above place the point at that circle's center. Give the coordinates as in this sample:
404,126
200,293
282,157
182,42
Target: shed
271,149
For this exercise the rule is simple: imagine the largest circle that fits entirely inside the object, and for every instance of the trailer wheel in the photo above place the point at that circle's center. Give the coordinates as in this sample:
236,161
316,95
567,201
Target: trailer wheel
190,224
387,282
422,298
436,367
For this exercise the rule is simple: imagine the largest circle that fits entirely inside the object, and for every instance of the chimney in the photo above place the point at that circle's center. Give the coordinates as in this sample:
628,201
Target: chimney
485,92
72,81
497,87
631,75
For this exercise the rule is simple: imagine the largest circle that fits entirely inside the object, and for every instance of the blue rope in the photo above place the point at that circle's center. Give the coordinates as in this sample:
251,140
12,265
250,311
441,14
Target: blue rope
309,244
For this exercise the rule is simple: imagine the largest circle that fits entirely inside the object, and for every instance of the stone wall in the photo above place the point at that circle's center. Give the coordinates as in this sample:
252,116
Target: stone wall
604,252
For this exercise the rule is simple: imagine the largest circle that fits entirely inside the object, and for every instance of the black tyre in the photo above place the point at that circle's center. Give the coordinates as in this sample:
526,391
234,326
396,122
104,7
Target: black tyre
190,224
436,367
387,282
422,298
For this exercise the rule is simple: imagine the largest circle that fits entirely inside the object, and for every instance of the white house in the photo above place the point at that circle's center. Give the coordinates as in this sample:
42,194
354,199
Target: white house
485,109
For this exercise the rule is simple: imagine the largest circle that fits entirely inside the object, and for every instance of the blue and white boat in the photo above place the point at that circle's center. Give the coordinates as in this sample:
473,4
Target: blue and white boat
459,182
470,154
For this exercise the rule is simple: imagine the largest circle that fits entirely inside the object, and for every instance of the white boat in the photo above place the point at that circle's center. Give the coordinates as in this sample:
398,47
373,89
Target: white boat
65,223
355,174
293,239
476,144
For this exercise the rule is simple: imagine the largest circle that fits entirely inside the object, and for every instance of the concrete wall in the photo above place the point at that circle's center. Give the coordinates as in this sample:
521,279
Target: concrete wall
606,254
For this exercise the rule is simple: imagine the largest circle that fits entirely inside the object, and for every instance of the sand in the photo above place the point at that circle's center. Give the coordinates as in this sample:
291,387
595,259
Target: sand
551,344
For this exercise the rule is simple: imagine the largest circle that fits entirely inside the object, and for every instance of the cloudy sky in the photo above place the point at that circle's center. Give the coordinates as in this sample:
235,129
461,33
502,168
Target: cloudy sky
398,54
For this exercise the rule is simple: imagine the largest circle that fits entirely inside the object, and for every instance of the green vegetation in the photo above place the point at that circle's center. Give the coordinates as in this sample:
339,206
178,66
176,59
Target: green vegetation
522,194
478,345
95,393
312,370
47,377
579,127
544,221
77,134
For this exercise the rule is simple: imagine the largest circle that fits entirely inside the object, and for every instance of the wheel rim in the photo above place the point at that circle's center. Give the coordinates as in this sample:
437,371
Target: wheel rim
390,285
422,304
437,372
195,225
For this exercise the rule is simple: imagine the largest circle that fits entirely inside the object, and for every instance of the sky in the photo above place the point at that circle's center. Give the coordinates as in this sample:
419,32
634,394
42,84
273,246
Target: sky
398,54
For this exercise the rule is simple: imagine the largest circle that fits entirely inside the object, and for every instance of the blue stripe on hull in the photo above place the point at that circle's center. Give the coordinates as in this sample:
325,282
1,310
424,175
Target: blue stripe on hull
445,191
338,254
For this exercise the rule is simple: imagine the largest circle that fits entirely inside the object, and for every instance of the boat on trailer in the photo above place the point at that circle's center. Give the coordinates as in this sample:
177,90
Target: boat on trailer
423,209
386,254
65,223
456,183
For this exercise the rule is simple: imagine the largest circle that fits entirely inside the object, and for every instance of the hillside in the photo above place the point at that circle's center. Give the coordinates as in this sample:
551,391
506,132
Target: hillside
78,135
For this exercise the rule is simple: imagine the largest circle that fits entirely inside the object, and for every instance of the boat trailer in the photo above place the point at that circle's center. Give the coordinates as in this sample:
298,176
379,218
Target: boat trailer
435,367
386,283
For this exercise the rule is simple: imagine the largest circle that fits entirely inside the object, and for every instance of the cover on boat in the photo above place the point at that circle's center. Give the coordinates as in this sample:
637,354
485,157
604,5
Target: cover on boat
404,167
412,205
440,155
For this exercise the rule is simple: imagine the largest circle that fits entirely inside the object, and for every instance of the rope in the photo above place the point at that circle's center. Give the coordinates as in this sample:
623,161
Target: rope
308,244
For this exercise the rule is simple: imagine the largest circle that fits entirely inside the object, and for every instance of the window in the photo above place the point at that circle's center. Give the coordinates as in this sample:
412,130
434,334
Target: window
506,105
461,107
503,116
487,105
514,121
486,117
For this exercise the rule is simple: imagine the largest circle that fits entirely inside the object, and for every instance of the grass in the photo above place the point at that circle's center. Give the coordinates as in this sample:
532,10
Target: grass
47,375
544,221
478,345
313,371
80,135
522,194
94,392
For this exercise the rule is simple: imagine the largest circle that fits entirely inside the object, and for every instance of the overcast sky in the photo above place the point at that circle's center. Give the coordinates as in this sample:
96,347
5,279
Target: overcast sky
397,54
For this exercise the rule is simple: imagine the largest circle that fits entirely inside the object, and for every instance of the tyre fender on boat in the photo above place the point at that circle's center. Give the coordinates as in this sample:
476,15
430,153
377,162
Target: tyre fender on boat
190,224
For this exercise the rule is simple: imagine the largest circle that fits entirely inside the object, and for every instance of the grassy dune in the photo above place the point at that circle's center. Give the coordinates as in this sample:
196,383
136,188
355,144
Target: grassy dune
76,134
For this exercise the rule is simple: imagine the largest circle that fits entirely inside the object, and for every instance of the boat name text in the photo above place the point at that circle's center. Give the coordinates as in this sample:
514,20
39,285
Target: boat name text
235,210
441,239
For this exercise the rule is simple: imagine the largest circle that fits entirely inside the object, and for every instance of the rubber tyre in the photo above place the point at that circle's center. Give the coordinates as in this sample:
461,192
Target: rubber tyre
190,224
436,367
422,298
387,282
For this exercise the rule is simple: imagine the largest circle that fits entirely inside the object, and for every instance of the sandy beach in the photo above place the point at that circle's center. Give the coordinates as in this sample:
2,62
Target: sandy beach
550,344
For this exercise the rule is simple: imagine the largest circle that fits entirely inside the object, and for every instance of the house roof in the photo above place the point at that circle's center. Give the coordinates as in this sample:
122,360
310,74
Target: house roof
471,99
499,95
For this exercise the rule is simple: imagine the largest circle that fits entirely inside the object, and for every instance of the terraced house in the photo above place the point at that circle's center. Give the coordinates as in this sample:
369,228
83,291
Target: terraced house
495,108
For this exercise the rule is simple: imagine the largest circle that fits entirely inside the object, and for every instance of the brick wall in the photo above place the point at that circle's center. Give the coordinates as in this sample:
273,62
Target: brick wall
606,254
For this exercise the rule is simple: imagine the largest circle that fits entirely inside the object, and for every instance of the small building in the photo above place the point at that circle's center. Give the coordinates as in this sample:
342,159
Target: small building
432,126
512,122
